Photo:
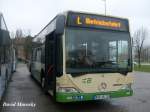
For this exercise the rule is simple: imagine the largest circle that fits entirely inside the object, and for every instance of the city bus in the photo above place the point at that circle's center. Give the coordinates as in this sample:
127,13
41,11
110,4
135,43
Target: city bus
6,63
81,57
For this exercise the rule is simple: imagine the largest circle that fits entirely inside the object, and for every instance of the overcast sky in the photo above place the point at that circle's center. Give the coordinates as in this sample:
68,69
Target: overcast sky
33,15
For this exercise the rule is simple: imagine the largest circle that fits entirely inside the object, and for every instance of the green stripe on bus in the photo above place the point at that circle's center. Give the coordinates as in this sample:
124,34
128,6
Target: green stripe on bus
69,97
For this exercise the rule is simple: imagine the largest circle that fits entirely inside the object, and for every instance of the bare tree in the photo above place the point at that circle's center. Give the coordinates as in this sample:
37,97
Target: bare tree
12,35
139,39
19,33
28,47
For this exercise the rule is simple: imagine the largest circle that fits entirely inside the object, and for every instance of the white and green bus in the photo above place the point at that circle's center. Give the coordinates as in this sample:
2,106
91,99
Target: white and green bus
82,56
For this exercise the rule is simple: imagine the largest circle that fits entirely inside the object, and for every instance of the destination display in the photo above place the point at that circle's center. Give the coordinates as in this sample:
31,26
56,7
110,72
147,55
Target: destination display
96,21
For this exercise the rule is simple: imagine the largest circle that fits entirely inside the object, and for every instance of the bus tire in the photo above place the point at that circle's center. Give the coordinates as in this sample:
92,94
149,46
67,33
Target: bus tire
31,74
6,79
43,85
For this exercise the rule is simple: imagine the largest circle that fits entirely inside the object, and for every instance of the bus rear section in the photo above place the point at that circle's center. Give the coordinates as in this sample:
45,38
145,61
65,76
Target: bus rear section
91,59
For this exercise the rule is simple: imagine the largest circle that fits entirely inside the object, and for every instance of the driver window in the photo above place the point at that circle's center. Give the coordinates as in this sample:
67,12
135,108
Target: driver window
113,51
122,53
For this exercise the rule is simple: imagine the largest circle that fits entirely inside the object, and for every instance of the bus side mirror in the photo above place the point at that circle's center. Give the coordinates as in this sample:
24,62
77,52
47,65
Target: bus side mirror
60,24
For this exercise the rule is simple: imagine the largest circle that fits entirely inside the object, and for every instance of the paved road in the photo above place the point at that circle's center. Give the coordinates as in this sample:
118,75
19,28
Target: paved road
24,90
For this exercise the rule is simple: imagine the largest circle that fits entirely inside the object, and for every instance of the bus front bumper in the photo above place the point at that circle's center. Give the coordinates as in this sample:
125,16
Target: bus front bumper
73,97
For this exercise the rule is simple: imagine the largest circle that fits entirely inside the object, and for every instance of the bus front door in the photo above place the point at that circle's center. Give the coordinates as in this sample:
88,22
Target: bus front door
50,58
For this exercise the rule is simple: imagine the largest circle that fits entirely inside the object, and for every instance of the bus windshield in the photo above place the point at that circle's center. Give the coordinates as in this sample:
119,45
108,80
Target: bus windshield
93,51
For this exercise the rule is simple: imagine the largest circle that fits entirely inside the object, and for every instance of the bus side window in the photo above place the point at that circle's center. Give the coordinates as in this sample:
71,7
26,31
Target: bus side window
5,56
38,55
43,55
34,55
2,55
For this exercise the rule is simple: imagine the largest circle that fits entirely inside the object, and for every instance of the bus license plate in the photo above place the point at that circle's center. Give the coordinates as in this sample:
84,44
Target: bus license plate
101,97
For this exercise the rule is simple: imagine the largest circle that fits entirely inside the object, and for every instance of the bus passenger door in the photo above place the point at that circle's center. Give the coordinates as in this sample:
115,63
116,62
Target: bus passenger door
50,60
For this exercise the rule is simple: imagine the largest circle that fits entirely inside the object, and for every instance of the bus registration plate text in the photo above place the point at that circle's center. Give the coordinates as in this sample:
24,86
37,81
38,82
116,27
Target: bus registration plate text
101,97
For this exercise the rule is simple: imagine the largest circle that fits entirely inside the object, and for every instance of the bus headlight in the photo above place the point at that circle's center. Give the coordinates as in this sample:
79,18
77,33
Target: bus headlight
67,90
126,86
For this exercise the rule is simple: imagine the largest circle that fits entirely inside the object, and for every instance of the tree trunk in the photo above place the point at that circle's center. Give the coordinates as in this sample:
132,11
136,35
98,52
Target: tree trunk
139,60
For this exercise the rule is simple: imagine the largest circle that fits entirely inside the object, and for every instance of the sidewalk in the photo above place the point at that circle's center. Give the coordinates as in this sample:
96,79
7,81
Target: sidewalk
23,94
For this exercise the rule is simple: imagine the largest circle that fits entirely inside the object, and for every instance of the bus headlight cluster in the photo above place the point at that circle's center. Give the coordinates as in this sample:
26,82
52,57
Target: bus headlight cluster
126,86
67,90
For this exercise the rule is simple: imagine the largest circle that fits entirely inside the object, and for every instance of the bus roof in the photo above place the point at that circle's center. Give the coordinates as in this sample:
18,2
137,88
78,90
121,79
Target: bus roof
3,20
91,13
65,13
81,12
